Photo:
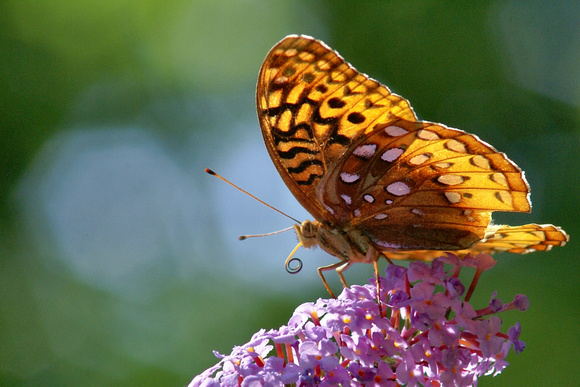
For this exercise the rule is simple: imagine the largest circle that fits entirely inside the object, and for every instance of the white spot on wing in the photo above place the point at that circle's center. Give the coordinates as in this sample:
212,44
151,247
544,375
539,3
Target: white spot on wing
380,216
349,177
347,199
365,151
416,211
419,159
388,201
398,188
392,154
499,178
453,197
481,162
456,146
428,135
387,245
450,179
395,131
329,209
369,198
504,197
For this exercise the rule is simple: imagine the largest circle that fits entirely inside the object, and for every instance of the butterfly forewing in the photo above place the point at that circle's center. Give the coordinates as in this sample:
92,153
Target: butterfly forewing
356,157
309,101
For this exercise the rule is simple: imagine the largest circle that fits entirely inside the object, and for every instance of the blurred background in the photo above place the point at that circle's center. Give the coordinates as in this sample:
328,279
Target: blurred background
119,258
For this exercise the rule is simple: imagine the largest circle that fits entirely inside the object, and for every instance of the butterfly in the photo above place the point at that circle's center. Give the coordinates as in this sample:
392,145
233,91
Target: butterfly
378,181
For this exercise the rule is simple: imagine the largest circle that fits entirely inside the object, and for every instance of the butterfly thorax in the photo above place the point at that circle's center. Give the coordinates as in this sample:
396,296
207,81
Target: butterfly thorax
346,243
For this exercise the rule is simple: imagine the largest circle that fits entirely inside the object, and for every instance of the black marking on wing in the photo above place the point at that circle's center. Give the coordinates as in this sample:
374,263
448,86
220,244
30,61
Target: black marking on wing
294,151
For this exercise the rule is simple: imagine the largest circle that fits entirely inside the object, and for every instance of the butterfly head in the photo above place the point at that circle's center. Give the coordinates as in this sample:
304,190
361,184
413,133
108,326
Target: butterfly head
345,244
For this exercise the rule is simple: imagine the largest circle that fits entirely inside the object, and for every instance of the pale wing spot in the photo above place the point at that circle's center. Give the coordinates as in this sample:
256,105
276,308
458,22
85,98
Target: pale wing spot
337,76
419,159
323,65
365,151
455,146
291,52
380,216
306,56
279,51
388,245
416,211
453,197
395,131
347,199
392,154
388,201
427,135
481,162
280,80
504,197
357,213
369,198
398,188
349,177
450,179
467,213
499,178
329,209
443,165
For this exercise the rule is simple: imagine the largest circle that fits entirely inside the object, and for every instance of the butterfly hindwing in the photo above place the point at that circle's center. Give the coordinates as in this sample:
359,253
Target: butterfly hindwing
420,185
513,239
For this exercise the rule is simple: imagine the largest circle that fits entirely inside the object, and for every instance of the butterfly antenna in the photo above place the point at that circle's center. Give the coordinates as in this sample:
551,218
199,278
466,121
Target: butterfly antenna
242,237
207,170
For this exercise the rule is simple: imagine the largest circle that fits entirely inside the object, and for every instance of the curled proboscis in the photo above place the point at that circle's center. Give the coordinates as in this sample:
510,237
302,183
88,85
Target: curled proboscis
296,269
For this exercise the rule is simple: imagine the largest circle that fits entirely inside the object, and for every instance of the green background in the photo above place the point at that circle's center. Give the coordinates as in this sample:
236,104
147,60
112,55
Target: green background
119,263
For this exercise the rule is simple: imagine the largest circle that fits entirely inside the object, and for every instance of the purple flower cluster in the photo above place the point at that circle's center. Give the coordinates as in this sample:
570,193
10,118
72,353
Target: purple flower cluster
425,332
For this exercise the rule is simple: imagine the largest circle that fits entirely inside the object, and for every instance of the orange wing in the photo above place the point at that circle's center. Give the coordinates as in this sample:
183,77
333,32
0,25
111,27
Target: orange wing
420,185
308,99
517,239
356,157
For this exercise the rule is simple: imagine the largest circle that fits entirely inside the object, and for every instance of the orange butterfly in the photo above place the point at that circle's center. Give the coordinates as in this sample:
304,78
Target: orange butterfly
378,181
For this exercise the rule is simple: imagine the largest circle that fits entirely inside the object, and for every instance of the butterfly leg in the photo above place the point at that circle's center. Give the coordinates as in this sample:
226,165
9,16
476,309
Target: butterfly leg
373,257
339,267
378,284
